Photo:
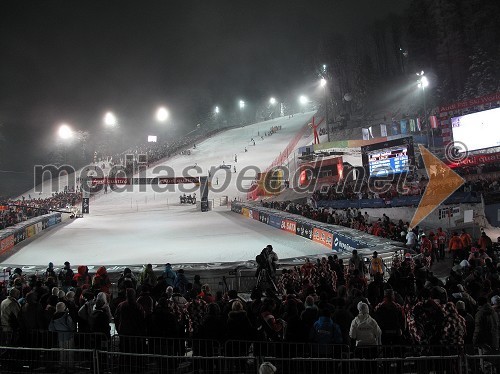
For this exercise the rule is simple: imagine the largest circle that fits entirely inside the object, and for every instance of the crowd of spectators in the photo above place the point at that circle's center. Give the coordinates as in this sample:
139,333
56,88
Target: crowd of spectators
357,302
19,210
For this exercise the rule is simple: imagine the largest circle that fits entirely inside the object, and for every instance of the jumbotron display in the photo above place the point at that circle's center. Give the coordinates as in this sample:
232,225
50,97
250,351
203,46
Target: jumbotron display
391,157
479,130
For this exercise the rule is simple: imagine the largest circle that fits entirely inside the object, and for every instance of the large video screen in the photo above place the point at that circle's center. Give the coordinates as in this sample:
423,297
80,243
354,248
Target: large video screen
387,161
477,130
390,157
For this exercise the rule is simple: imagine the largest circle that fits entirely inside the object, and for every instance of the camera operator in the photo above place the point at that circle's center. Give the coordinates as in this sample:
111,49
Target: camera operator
267,264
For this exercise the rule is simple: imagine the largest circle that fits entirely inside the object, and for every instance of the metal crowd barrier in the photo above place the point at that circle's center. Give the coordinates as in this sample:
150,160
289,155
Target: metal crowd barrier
43,360
115,362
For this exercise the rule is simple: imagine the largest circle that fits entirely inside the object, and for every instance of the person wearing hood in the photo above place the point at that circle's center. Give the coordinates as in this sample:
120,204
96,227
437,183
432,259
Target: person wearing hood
367,334
82,277
101,281
364,329
148,276
181,281
9,311
486,329
127,280
100,317
130,318
49,272
169,275
62,323
66,276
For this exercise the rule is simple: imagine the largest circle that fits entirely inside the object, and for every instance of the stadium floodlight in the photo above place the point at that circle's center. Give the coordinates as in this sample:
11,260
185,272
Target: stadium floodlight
65,131
303,100
272,101
110,119
322,82
162,114
216,110
242,104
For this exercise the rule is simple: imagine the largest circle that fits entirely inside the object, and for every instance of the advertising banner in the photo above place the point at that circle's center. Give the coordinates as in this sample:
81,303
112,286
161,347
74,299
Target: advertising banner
305,230
264,217
85,205
345,243
177,180
19,236
289,225
30,231
6,244
38,227
255,215
105,180
322,237
275,221
236,208
245,212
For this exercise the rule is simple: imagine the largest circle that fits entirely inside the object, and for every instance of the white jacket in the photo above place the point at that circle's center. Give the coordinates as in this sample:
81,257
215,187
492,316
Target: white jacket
365,330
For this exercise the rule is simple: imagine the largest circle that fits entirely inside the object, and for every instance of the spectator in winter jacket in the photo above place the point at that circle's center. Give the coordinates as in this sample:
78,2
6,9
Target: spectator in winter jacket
181,281
486,329
238,327
9,311
325,332
99,318
169,275
364,329
101,281
390,316
49,272
66,276
82,277
127,280
130,317
63,324
148,276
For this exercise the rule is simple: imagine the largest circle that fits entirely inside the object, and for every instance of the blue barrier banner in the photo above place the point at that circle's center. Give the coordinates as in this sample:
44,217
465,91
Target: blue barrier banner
264,217
236,208
275,221
344,243
305,230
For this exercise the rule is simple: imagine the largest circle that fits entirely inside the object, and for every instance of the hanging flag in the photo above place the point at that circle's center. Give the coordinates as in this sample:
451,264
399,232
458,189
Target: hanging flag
366,134
370,132
395,128
403,126
434,122
412,125
419,125
383,130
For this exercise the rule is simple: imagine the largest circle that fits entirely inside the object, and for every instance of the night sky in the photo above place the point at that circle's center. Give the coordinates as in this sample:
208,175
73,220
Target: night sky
74,60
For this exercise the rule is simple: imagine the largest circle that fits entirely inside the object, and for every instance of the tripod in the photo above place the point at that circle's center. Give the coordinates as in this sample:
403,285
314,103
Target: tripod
264,281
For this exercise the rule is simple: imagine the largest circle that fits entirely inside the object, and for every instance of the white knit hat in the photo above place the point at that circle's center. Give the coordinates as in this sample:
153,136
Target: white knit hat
267,368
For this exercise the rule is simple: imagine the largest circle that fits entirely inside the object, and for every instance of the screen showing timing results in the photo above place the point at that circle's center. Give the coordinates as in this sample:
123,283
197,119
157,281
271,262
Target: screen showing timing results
388,161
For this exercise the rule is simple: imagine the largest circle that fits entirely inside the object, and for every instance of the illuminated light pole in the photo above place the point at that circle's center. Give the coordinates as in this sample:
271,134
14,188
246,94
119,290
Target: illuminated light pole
65,133
323,83
216,110
422,83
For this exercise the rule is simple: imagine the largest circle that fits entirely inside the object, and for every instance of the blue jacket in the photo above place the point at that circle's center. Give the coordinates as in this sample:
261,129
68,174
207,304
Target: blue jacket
325,331
169,275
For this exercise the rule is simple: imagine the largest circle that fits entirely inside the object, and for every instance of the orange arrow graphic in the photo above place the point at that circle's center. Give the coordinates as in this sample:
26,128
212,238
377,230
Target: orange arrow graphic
442,183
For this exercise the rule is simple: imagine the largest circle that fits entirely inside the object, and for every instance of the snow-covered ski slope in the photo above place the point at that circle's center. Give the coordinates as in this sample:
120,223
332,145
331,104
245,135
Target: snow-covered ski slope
141,225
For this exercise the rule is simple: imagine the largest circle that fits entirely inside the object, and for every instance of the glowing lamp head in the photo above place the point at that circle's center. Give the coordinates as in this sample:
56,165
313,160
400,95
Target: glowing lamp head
322,82
217,110
303,100
110,119
272,101
65,132
162,114
242,104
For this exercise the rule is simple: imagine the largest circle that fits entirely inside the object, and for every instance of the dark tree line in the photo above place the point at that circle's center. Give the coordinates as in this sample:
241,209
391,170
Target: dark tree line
456,42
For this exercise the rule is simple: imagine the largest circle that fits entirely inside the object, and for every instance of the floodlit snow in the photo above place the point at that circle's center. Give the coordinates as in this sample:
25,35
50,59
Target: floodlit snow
143,225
